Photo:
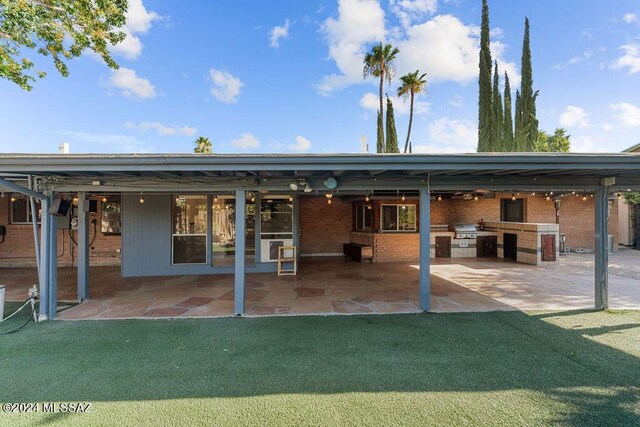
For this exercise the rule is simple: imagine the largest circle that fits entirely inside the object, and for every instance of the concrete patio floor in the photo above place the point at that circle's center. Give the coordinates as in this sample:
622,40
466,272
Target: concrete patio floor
334,286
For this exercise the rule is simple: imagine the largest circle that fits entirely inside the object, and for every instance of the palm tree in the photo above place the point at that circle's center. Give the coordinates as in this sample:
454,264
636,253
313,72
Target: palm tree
203,146
379,63
412,85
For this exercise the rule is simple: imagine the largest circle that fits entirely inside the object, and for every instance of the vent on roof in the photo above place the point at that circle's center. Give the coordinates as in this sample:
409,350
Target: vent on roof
63,148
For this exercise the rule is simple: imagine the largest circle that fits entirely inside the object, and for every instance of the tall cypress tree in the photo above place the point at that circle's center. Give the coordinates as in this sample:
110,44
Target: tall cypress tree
496,122
507,123
519,133
380,135
392,134
527,132
484,82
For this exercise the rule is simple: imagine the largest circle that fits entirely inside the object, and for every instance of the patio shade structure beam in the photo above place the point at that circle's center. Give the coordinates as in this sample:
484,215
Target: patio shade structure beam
83,247
239,277
425,250
602,248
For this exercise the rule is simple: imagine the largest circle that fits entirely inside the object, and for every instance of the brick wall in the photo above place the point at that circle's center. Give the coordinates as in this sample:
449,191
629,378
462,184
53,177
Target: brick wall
18,249
323,227
577,221
390,247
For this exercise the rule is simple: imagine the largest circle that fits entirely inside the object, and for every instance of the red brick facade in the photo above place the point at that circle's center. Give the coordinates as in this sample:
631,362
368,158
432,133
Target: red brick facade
18,248
323,227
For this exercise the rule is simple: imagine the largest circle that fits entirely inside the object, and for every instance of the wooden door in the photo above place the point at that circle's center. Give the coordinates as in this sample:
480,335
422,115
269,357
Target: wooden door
487,246
548,242
443,247
510,246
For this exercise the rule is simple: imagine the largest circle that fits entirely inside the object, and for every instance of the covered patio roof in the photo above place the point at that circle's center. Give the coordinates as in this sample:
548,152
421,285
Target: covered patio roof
123,172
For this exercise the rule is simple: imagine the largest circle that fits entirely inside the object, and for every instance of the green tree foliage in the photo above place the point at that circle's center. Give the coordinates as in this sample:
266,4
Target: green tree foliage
485,111
203,146
559,142
526,132
497,144
379,63
507,123
380,135
61,29
632,198
412,84
392,134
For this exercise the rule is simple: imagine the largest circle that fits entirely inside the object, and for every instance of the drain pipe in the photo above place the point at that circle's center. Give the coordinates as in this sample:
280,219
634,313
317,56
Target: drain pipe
34,220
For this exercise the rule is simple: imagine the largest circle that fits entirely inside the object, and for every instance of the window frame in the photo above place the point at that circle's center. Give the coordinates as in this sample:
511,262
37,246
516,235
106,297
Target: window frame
505,202
398,207
363,217
174,234
29,215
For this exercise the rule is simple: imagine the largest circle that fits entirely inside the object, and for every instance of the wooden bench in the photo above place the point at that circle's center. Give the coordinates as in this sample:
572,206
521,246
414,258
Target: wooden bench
357,251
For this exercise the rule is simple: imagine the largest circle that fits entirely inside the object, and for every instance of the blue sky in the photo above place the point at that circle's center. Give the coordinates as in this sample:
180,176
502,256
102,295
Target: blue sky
286,76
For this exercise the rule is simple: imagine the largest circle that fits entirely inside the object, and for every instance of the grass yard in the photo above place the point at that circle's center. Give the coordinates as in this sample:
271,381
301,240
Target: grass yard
502,368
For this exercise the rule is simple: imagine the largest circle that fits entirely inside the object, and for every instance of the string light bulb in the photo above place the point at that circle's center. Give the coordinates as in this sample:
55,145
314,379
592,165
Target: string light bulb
547,197
403,198
291,198
215,199
104,199
13,198
141,199
439,198
475,197
584,197
513,197
366,199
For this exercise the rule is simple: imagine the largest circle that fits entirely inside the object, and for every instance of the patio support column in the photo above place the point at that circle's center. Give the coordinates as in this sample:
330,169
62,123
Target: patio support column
43,274
53,265
240,249
425,249
83,247
602,248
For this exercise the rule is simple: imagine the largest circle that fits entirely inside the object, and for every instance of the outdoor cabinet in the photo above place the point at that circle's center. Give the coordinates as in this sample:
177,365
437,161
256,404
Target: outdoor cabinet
487,246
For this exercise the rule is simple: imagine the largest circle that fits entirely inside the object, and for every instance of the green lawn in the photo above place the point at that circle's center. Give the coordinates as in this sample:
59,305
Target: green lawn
511,368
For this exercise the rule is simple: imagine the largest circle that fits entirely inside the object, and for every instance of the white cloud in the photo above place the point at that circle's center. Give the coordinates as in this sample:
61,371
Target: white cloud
630,18
584,144
456,101
574,117
302,144
450,136
132,85
448,50
139,21
278,33
627,114
359,22
630,59
371,101
161,129
111,143
245,142
409,11
225,87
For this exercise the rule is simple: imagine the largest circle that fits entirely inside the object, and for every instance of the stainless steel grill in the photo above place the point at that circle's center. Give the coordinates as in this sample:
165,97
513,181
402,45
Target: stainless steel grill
465,231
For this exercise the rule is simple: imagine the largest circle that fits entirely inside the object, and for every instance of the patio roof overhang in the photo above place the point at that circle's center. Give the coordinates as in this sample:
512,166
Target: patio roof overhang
167,172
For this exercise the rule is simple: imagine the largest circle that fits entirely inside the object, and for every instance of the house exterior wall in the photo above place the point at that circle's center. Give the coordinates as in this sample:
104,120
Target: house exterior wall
323,227
18,249
577,221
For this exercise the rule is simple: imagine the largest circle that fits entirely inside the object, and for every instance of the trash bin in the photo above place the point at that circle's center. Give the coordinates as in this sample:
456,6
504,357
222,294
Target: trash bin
563,244
610,244
1,302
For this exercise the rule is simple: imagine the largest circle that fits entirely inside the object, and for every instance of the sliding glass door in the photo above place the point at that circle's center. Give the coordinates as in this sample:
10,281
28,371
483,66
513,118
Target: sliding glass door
223,231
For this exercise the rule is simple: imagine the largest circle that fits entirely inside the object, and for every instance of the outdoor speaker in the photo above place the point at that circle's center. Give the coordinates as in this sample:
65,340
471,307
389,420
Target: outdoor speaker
59,206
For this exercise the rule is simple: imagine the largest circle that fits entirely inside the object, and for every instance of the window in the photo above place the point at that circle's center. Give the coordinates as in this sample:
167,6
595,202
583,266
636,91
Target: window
363,217
512,210
223,217
190,230
398,218
276,227
110,217
21,210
